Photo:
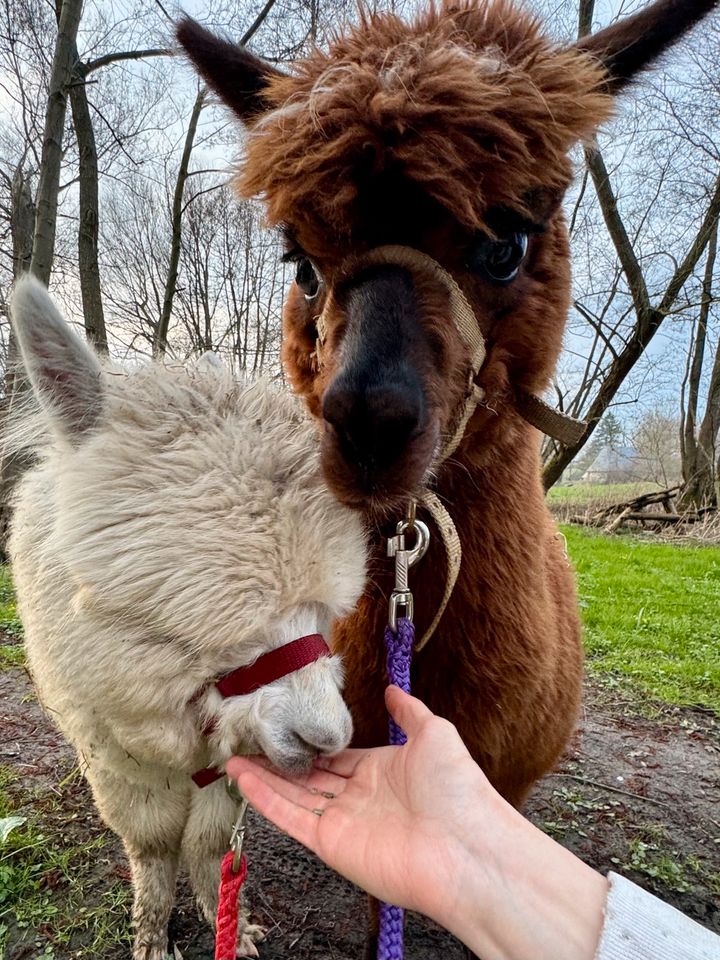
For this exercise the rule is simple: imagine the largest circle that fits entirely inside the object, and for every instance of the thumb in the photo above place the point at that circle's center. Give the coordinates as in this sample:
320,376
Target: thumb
408,712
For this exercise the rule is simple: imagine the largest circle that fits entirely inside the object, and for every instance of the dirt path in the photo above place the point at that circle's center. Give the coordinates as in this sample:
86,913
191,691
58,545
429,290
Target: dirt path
635,795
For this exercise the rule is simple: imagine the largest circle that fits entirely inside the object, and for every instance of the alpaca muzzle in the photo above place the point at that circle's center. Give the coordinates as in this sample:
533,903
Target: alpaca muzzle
271,666
531,408
376,407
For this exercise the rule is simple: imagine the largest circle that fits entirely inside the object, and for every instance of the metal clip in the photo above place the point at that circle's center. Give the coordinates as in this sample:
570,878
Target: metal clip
237,836
401,597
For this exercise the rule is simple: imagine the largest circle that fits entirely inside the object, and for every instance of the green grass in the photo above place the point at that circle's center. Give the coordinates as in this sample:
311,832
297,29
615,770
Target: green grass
12,656
583,499
48,882
652,614
9,620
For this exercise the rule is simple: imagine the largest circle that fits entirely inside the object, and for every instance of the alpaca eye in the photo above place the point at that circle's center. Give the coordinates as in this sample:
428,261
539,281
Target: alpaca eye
306,278
499,260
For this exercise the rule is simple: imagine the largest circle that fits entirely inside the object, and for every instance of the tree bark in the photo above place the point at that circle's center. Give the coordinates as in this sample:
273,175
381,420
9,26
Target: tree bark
161,332
700,452
63,64
22,224
22,221
89,213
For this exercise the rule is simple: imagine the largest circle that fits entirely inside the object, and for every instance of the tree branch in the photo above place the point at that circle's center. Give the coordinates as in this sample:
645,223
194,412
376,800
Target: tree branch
616,229
109,58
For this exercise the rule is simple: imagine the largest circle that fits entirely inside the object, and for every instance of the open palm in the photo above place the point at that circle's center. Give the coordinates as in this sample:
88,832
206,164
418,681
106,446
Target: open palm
390,819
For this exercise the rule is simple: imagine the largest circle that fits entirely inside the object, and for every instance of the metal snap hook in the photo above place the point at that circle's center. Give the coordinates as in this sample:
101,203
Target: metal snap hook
237,836
422,542
401,598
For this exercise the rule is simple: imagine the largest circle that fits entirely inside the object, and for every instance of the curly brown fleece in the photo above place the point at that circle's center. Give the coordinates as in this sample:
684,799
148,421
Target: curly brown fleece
470,102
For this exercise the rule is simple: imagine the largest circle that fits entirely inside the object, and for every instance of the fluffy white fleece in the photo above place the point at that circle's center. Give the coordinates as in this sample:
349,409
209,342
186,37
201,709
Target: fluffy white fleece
176,526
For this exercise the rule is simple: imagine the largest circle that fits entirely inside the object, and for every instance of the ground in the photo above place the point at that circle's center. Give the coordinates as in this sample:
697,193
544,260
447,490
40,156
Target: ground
637,795
585,499
638,792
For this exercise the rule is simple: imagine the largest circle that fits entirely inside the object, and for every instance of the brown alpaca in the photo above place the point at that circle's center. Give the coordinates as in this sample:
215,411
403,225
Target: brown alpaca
448,134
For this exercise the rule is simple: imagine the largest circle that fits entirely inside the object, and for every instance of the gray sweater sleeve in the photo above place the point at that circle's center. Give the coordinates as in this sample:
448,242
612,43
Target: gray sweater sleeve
638,926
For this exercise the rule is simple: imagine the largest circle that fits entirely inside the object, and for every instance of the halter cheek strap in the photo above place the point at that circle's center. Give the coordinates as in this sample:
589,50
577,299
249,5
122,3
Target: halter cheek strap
266,669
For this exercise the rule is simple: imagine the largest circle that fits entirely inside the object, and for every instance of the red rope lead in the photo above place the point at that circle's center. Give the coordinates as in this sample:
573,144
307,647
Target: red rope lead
226,924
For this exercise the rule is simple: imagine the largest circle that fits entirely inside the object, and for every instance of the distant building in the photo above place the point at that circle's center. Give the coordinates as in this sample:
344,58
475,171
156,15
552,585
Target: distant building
615,465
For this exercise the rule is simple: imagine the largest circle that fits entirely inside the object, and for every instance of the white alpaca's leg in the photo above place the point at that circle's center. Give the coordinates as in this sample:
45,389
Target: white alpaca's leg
154,895
150,822
204,844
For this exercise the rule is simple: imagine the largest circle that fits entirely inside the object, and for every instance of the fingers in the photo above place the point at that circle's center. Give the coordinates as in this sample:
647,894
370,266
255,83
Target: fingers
297,821
304,789
408,712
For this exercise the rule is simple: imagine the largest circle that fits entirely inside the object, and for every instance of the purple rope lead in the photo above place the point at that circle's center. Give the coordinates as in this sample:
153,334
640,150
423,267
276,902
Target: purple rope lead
399,648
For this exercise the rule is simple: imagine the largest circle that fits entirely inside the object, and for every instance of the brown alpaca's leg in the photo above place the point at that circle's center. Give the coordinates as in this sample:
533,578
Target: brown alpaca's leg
204,844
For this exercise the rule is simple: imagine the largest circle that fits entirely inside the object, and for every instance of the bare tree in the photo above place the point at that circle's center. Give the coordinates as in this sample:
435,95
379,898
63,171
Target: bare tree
46,203
634,305
699,446
656,443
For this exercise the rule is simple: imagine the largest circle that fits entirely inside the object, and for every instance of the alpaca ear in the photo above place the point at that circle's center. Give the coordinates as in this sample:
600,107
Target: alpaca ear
237,76
629,46
64,372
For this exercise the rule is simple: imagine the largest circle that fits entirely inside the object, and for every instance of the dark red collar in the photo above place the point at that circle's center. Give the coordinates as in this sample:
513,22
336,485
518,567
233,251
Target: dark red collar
270,666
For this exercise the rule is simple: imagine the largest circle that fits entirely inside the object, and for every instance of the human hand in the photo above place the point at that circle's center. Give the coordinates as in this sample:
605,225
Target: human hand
421,826
390,819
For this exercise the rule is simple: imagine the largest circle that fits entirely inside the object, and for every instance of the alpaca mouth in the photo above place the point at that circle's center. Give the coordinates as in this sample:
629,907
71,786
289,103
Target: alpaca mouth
294,755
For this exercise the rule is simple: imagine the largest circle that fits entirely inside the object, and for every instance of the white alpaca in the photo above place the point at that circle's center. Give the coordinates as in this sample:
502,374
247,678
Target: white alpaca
174,528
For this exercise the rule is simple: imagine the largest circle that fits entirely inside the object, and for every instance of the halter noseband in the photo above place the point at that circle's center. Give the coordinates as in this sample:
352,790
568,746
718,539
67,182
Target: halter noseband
271,666
530,407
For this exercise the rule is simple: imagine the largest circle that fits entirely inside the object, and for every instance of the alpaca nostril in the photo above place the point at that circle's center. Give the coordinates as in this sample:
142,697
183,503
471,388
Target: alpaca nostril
338,406
322,741
374,426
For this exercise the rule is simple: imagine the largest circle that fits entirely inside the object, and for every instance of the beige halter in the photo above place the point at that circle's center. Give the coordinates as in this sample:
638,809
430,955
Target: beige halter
531,408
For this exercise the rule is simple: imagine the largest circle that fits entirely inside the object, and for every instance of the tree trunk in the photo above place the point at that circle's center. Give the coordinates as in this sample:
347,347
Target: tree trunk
22,221
700,454
161,331
648,317
89,214
47,196
22,224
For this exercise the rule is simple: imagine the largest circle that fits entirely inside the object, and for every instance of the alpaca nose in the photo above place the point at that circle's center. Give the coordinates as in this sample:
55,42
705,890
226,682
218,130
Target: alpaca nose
373,426
325,741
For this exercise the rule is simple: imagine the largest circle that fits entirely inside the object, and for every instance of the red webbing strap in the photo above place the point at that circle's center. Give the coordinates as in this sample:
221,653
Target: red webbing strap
270,666
226,922
273,665
206,776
